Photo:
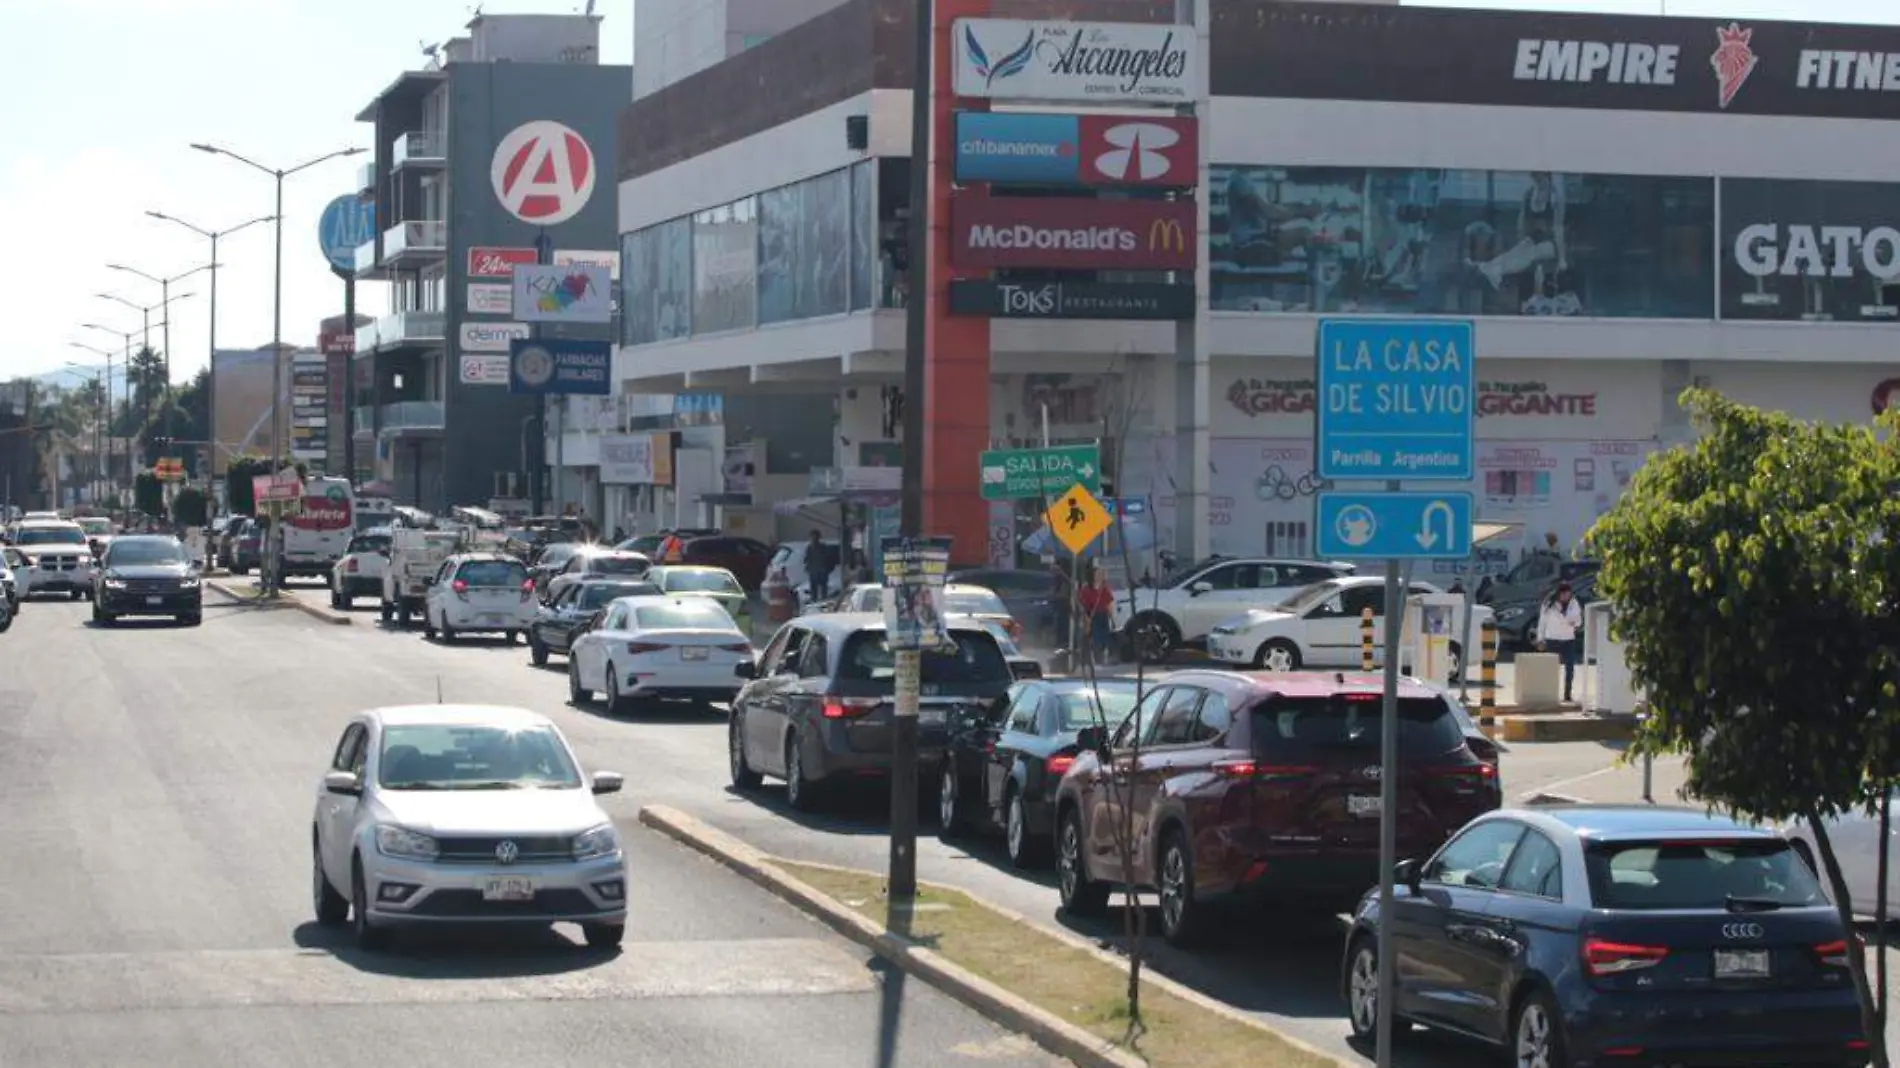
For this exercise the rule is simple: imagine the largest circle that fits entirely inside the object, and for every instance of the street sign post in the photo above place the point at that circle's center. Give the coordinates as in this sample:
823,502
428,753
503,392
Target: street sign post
1077,519
1396,403
1386,526
1017,474
1396,400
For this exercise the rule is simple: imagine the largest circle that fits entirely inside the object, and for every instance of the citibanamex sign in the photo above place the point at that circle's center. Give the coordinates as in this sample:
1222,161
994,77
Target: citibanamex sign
543,173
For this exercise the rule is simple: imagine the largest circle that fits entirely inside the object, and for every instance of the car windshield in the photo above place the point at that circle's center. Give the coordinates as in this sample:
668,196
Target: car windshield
701,582
1698,874
141,552
619,565
1181,574
369,543
645,543
598,595
974,602
442,757
683,615
492,573
1307,597
96,526
1110,704
975,659
557,553
1284,724
50,536
869,599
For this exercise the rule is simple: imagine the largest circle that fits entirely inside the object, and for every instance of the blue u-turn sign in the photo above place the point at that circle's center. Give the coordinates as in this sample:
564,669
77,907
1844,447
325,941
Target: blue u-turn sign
346,223
1397,399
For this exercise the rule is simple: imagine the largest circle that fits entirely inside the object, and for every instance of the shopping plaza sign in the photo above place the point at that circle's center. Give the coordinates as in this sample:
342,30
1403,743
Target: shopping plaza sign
1097,62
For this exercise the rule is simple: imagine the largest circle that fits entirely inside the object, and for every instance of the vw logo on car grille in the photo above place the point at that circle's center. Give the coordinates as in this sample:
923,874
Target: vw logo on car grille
1741,930
1372,771
507,851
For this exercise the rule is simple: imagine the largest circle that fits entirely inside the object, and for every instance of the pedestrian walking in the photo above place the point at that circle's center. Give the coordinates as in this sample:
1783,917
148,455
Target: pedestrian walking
818,565
1097,602
1560,629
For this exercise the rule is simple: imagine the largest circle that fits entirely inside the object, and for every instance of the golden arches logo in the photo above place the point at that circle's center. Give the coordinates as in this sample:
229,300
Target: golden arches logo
1166,235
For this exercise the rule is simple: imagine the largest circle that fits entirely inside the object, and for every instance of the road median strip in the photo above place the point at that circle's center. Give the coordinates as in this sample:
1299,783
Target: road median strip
1063,992
254,596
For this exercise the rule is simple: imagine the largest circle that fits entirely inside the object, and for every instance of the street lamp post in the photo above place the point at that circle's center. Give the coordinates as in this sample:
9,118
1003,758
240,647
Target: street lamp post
125,369
145,312
211,395
277,174
165,298
98,439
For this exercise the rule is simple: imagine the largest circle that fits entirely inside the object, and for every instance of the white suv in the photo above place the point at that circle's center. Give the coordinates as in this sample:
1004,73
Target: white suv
57,556
1182,607
360,572
477,592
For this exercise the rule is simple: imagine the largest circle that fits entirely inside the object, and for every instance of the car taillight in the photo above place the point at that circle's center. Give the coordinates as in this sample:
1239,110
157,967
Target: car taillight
1833,954
460,587
1469,777
1253,769
1015,630
350,565
848,707
1059,764
527,589
1614,958
646,647
737,647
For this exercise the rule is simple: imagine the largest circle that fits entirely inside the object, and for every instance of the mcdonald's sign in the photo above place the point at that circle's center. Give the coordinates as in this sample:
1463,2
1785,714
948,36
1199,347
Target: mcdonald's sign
1076,233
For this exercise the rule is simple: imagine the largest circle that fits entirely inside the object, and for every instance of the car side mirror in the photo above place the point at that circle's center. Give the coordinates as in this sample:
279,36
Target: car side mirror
746,669
1091,739
343,784
608,782
430,581
1200,587
1406,873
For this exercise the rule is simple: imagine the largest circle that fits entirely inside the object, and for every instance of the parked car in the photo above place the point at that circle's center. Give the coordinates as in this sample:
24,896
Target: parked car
477,592
596,561
1321,627
409,829
546,562
1003,763
787,572
13,563
556,623
1518,616
657,648
1533,579
148,575
241,550
1593,935
1180,608
360,572
1030,594
958,599
746,558
1259,787
1021,664
1856,840
716,583
818,702
650,544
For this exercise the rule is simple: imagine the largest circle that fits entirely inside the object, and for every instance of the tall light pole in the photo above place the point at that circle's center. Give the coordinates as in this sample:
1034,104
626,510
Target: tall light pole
98,440
211,357
165,297
145,313
125,369
277,174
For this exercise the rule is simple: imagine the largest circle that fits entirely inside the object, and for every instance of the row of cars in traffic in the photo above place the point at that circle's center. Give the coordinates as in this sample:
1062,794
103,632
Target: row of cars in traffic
85,558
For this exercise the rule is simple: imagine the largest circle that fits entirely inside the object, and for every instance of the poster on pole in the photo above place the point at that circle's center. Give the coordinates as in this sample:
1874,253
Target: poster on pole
913,584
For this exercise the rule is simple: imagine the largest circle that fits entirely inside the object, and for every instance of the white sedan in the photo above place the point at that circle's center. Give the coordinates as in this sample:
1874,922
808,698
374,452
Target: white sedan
1319,628
477,592
1856,841
657,648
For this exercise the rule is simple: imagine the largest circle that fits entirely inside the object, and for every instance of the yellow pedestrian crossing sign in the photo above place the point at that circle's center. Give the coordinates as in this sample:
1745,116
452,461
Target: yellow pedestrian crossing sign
1077,518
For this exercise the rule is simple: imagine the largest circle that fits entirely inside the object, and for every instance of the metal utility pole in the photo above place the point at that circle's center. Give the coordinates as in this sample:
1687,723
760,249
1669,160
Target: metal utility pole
145,312
165,299
125,368
211,348
98,385
278,453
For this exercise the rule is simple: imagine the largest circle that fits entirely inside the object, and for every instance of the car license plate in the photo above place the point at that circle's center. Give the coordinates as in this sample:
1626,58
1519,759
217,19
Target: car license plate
155,600
508,888
491,617
931,717
692,652
1362,806
1741,964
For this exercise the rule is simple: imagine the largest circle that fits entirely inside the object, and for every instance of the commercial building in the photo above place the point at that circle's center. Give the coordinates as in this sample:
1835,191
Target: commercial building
510,125
1628,206
241,383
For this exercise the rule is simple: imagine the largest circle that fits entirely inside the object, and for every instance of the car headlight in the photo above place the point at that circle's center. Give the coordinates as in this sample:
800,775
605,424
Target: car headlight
394,841
189,582
84,560
602,841
115,584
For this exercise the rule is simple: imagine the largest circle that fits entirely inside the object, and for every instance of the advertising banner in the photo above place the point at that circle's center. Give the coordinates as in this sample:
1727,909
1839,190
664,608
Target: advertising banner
740,468
1072,300
491,337
490,298
725,267
1810,250
804,241
1392,241
576,293
662,453
489,262
1543,60
626,459
1072,233
577,257
1099,150
1097,62
913,577
484,369
560,366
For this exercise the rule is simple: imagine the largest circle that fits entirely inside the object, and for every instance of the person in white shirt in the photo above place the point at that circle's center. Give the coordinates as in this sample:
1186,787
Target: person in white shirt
1560,629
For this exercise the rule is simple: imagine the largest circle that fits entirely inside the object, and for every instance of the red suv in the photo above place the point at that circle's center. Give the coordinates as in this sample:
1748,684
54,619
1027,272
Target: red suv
1255,786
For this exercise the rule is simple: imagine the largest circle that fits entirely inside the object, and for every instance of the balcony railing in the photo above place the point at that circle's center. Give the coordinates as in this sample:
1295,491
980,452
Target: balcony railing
366,177
417,146
417,237
366,259
413,415
402,328
363,420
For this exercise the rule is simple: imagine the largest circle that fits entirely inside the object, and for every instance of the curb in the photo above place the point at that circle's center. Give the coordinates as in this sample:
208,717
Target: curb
1051,1032
1567,728
327,615
1547,797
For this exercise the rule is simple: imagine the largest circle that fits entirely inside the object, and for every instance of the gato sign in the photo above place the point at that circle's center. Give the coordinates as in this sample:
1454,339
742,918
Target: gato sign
1099,62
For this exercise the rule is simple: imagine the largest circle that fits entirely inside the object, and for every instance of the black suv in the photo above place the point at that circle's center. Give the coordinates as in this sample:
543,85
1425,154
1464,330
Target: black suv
818,706
147,575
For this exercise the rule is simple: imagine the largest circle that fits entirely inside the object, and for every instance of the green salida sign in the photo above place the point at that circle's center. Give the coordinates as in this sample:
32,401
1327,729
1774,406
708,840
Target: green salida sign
1016,474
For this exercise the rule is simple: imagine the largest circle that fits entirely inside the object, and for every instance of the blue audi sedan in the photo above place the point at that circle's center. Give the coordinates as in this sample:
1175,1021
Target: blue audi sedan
1589,936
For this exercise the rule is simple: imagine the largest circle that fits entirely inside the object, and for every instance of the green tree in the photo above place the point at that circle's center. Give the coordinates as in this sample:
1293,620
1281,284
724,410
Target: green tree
1756,575
146,378
148,494
188,507
237,483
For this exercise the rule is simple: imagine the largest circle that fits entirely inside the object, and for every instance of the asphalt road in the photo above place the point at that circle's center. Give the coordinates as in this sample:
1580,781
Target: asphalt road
157,784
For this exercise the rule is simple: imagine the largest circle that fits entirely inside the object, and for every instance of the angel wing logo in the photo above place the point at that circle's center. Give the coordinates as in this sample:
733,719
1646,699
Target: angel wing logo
1012,63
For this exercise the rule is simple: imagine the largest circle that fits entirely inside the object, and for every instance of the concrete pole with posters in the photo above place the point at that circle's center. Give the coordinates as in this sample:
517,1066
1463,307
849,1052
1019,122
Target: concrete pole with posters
1193,370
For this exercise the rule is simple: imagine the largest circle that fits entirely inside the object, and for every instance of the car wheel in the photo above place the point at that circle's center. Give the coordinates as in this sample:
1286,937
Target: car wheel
190,620
101,617
800,793
76,595
388,613
336,600
402,617
331,907
1362,988
1278,655
537,653
743,777
951,824
577,695
368,935
1537,1038
1180,912
1457,662
1025,850
448,632
617,703
1081,894
1154,637
428,625
603,935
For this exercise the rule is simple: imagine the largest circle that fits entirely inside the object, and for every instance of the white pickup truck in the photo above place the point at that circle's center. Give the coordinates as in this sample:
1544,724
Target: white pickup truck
414,557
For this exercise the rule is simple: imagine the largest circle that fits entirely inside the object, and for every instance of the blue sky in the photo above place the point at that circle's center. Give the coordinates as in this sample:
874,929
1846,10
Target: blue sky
105,96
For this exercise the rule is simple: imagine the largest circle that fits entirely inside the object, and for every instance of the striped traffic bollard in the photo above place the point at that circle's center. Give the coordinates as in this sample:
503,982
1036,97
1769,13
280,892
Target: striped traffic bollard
1488,676
1365,639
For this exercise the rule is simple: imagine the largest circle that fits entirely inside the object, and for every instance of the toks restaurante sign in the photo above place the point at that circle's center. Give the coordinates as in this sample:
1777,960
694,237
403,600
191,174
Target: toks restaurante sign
1257,397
